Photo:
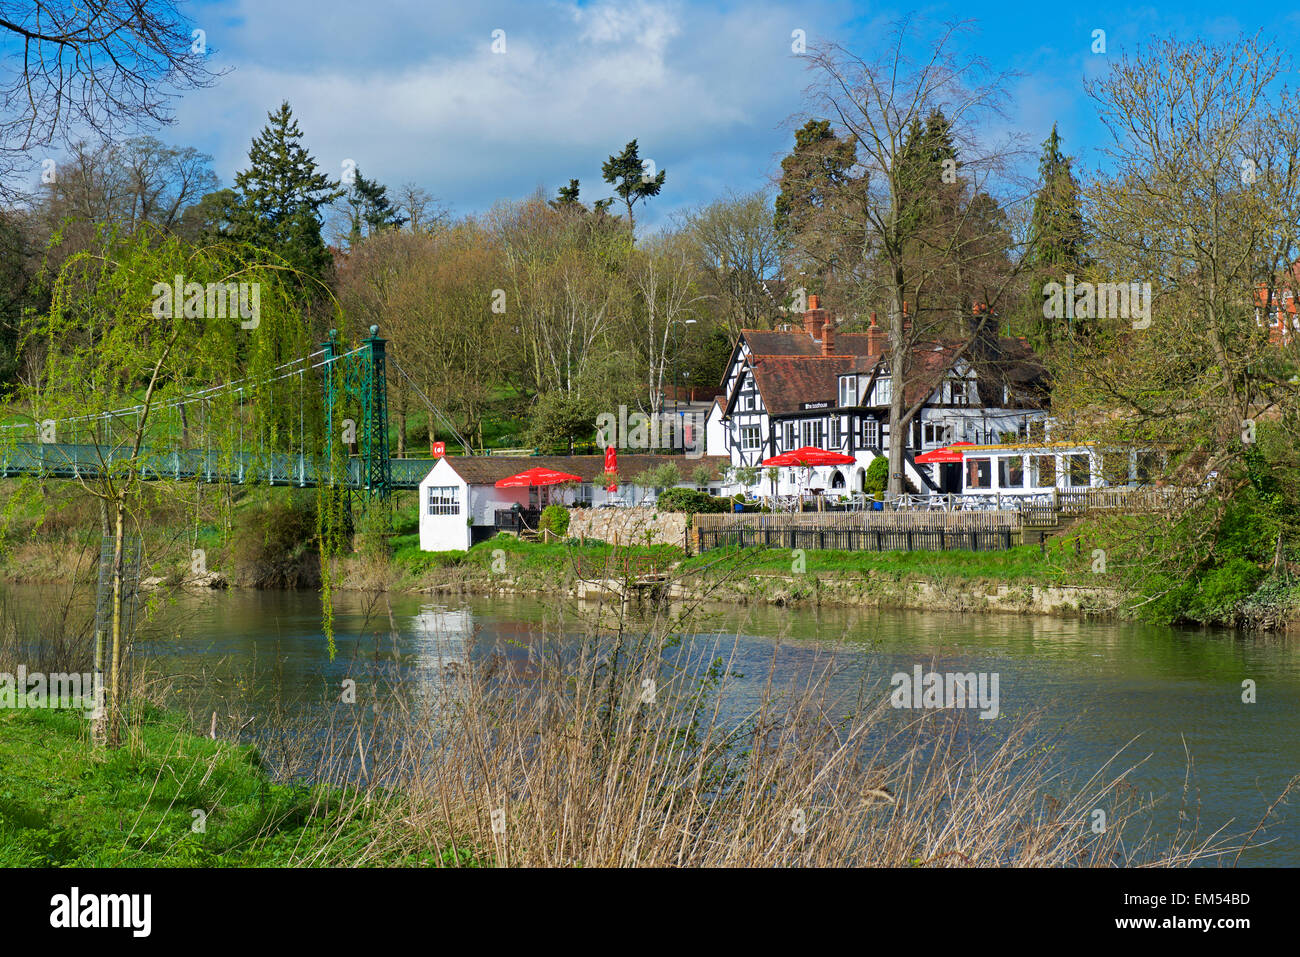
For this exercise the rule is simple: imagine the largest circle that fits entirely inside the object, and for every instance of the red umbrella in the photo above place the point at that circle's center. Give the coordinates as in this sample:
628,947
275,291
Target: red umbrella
537,476
611,466
945,455
810,455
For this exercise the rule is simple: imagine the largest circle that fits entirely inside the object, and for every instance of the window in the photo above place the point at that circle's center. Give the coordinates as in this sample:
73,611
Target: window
812,432
1114,468
979,473
936,433
870,434
1078,471
956,391
791,437
444,500
749,439
1011,472
583,494
1148,463
848,390
884,392
1043,471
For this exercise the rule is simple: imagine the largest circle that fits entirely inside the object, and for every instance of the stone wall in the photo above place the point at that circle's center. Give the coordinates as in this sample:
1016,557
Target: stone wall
630,525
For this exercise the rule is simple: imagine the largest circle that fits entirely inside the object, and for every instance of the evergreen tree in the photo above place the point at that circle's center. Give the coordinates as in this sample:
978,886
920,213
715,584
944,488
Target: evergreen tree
819,163
280,196
567,197
371,208
1056,230
626,173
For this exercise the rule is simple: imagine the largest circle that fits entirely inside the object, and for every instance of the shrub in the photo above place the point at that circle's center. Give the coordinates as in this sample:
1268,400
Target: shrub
276,545
877,477
691,501
555,518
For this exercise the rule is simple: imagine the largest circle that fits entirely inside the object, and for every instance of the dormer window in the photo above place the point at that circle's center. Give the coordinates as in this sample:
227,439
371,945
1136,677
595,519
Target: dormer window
956,391
848,391
884,391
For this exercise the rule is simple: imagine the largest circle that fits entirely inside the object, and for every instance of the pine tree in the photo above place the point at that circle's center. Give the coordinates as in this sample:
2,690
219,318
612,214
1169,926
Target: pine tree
819,163
371,208
280,196
1057,230
626,173
567,197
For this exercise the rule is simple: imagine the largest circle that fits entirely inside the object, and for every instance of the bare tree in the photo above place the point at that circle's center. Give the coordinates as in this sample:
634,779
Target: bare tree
91,66
662,276
904,222
738,250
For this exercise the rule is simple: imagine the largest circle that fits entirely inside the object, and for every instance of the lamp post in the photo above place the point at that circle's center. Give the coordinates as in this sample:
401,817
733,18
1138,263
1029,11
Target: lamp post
677,361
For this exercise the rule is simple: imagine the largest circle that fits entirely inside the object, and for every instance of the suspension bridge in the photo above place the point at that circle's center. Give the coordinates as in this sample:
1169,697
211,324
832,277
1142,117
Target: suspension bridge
274,430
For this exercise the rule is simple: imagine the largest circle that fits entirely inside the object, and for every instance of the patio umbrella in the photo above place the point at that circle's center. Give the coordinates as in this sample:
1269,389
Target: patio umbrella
810,455
947,455
611,466
537,476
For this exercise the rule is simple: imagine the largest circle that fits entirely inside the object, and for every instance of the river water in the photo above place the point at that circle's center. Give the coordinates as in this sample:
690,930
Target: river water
1160,694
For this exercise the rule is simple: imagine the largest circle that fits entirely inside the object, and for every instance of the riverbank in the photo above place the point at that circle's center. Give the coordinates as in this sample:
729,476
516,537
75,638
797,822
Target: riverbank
1023,580
169,798
1060,578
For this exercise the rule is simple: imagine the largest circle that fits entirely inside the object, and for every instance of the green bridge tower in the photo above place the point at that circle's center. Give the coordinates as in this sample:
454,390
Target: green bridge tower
356,394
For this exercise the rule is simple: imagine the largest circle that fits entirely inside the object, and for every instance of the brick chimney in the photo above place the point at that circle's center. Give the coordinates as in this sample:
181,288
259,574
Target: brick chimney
813,318
875,338
828,337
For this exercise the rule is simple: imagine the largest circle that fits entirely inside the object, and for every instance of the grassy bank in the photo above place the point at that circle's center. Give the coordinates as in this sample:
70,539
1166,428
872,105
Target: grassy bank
167,798
265,538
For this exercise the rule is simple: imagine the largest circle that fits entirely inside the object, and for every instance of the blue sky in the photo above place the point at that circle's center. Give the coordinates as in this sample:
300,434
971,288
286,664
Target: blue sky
412,91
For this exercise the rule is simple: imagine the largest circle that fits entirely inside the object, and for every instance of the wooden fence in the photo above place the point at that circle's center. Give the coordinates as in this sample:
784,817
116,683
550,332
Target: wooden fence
875,521
862,531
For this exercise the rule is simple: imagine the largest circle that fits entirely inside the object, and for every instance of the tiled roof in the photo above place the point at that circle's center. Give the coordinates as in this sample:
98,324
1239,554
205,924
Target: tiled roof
790,370
785,382
796,342
489,469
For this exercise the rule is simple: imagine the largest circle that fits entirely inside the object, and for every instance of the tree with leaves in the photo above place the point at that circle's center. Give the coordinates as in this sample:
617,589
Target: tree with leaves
626,172
280,197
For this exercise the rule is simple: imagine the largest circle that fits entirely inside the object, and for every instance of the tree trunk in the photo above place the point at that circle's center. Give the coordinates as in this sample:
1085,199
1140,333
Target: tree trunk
119,640
897,371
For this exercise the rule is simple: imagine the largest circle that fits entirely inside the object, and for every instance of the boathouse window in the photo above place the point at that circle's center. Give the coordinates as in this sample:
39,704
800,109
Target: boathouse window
1078,471
1148,463
956,391
870,434
848,391
1114,468
813,432
884,393
749,439
1043,471
444,500
1011,472
791,437
979,473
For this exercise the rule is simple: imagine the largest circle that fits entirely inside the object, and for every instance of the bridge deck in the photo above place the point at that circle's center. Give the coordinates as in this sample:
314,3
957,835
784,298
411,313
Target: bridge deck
54,460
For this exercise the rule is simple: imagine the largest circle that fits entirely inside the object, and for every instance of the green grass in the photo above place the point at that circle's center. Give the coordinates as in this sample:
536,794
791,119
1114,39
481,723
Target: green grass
65,803
1023,563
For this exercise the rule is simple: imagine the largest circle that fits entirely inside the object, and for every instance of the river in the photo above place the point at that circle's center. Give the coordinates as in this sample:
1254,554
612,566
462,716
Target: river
1160,694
